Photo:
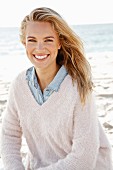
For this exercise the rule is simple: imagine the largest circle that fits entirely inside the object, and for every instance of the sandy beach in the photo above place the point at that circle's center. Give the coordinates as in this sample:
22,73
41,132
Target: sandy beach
102,72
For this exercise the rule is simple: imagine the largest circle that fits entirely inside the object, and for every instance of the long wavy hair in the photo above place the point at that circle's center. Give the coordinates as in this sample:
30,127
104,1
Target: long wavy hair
71,53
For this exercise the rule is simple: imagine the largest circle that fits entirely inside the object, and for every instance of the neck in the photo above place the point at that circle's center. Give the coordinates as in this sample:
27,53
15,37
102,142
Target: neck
45,77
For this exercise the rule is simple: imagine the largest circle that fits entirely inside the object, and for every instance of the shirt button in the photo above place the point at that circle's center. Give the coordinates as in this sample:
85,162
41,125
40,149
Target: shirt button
47,90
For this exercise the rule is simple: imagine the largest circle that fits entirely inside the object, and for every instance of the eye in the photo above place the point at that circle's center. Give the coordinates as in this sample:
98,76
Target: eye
31,40
49,40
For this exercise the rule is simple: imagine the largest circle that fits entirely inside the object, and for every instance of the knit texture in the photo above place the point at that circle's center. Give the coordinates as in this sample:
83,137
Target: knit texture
61,134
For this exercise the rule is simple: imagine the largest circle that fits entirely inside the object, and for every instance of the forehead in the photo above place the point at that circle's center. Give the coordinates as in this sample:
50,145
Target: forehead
37,27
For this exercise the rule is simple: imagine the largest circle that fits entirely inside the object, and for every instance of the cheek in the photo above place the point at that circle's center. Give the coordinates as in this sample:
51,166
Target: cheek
54,48
27,53
28,48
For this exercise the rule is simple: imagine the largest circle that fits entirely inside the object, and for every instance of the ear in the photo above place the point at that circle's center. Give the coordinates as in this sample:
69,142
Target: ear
59,47
24,44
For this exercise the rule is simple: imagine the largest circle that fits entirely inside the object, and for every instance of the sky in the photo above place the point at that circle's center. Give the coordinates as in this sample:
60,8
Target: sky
75,12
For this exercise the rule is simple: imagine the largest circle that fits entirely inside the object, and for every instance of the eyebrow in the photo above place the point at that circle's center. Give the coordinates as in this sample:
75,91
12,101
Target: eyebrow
44,37
49,37
30,37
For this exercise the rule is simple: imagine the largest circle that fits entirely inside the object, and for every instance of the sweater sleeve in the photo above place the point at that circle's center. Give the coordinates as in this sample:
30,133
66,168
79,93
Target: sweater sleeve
11,136
85,145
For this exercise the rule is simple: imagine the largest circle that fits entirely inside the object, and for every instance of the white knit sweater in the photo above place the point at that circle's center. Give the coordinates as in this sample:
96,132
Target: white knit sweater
61,134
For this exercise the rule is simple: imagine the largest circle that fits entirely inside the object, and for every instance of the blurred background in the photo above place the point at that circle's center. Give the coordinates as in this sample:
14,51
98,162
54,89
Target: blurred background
92,20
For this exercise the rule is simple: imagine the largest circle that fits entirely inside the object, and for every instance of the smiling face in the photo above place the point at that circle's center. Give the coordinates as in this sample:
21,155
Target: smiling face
42,44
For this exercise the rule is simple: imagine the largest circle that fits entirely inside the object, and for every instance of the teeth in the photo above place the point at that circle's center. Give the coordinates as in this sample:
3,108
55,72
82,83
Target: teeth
41,57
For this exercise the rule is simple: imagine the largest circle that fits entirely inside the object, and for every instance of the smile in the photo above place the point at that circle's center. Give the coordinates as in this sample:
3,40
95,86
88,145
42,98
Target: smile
40,57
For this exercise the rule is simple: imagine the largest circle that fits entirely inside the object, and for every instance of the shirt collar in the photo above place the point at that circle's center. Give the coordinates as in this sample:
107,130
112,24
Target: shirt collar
31,76
54,85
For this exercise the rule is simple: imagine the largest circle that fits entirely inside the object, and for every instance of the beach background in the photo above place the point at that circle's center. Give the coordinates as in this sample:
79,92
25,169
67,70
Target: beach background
98,44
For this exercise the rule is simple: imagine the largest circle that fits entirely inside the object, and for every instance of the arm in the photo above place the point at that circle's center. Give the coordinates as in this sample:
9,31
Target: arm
85,140
11,136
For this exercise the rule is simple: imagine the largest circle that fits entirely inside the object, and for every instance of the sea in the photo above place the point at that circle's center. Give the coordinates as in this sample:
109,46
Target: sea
97,38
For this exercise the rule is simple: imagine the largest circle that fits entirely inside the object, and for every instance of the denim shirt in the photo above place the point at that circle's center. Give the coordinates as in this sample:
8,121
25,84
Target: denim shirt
53,86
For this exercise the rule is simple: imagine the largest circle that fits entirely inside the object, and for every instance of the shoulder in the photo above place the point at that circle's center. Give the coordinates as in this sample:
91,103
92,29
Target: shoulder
69,84
20,77
19,80
69,88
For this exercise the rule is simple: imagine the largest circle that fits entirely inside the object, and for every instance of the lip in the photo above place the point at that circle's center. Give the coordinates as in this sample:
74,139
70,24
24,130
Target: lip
40,56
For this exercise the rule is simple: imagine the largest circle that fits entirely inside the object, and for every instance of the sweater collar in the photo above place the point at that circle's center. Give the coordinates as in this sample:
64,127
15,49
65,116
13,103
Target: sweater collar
54,85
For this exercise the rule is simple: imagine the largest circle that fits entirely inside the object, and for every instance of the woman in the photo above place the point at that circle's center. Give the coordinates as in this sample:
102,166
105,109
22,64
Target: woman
52,104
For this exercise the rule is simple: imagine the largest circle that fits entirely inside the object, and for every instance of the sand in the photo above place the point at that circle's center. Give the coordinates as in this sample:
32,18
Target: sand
102,72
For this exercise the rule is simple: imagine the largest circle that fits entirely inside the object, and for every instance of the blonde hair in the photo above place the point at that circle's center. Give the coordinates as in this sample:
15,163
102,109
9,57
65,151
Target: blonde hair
71,54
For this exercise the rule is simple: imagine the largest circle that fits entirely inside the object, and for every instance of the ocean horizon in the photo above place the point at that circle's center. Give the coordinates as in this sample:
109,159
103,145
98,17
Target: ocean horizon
95,37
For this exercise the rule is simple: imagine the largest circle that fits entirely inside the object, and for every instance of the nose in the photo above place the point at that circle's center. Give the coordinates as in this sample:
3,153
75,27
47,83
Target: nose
39,46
